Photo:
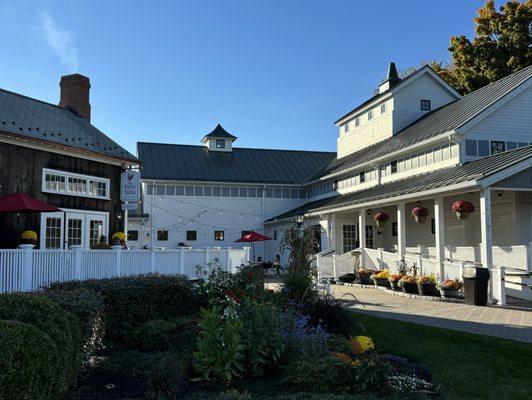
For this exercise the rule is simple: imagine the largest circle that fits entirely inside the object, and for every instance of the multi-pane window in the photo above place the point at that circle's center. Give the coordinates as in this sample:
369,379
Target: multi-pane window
71,184
218,235
362,176
425,105
162,235
346,128
393,166
357,122
350,237
497,147
220,144
370,115
53,233
133,235
95,232
383,108
192,235
74,232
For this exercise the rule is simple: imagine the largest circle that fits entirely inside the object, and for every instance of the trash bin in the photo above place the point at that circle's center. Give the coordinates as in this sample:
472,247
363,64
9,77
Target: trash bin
476,285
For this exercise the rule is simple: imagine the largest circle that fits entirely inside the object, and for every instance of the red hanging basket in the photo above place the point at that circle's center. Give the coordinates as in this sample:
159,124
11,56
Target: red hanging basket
420,214
462,209
381,218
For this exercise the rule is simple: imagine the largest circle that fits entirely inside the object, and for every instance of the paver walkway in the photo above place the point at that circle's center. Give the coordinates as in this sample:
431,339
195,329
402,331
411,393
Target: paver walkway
494,321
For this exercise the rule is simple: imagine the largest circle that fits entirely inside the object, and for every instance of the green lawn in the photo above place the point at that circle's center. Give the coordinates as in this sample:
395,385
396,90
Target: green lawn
468,366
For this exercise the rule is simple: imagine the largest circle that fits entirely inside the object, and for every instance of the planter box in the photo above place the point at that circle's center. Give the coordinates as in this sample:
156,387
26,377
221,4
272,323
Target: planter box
410,288
381,282
428,289
395,286
449,293
365,280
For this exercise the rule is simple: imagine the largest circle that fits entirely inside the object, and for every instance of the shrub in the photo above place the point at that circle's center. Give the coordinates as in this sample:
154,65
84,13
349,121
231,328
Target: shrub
160,334
297,285
62,327
131,301
332,316
336,374
26,362
168,375
219,353
261,335
87,306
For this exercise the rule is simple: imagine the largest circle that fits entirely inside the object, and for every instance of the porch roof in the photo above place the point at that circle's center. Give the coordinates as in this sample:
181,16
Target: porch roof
442,178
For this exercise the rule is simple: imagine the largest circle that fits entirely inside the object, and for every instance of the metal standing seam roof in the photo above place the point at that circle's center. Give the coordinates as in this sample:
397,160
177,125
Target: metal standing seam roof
431,180
35,119
241,165
436,122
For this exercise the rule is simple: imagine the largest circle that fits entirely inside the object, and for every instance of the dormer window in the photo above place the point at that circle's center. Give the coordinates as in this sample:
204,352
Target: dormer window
219,140
370,115
220,144
425,105
357,122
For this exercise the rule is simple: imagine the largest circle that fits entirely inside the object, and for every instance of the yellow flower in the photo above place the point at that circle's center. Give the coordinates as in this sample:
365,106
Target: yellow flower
361,344
119,236
28,235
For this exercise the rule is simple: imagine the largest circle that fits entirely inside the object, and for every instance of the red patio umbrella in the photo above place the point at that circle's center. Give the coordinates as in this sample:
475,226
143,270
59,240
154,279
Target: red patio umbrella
253,237
22,203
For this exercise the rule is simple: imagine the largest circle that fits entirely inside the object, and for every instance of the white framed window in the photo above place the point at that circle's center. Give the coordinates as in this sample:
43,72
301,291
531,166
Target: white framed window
220,144
357,122
383,108
346,128
370,115
71,184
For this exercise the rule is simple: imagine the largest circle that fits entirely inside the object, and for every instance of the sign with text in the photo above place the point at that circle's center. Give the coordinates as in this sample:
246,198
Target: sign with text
130,186
129,206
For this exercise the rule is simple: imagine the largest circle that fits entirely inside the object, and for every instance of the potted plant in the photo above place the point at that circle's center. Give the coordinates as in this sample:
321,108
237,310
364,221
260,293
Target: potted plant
449,288
394,281
381,218
118,239
420,214
364,276
408,284
427,285
462,209
28,237
381,278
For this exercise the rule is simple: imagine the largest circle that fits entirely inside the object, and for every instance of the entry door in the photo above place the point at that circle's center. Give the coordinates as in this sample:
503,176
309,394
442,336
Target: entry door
74,229
349,237
52,230
96,227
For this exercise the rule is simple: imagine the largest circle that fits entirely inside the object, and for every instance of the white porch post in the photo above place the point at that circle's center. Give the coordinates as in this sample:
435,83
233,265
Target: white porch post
486,254
362,234
440,234
333,232
401,230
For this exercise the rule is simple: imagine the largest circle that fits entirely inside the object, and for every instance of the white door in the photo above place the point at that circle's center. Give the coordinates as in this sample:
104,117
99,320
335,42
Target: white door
349,237
74,229
52,230
96,227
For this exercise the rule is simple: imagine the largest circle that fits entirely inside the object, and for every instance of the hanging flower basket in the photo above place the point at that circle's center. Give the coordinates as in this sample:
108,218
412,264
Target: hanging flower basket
381,218
420,214
462,209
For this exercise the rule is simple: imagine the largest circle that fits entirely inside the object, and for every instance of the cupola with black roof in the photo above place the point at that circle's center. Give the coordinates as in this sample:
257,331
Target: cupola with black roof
392,80
219,140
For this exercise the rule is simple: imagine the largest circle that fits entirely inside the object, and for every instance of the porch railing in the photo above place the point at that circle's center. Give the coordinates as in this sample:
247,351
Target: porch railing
28,269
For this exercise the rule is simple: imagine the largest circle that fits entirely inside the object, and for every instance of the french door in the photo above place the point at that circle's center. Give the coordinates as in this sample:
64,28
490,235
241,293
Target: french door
60,230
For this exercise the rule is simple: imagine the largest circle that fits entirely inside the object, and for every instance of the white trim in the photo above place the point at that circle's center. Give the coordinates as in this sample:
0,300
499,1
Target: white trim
67,175
51,147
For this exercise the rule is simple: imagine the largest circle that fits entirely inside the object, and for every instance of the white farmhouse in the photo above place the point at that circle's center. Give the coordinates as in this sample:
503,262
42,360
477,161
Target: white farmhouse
417,142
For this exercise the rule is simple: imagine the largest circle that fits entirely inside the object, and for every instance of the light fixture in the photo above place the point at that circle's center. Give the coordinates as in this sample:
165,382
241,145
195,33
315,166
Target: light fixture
299,218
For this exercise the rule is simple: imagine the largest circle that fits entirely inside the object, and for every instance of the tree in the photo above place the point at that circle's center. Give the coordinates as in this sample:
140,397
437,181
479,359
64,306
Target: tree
502,45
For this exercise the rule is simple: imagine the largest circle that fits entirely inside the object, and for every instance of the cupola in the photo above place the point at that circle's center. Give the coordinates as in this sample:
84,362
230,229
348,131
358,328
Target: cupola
392,80
219,140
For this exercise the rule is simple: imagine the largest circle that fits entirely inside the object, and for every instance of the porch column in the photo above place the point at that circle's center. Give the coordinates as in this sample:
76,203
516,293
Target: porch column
486,254
440,234
401,230
362,235
333,232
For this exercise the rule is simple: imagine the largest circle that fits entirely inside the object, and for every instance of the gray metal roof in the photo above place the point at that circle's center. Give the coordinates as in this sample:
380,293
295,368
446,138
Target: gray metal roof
197,163
432,180
219,132
35,119
441,120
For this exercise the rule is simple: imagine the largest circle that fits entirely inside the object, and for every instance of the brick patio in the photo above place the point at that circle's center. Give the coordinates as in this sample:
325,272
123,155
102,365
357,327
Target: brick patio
509,323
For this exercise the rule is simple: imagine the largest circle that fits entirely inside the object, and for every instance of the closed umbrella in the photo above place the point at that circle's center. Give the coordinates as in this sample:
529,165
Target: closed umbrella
253,237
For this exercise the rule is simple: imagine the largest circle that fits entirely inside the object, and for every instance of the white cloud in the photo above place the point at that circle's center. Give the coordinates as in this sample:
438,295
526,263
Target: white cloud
61,41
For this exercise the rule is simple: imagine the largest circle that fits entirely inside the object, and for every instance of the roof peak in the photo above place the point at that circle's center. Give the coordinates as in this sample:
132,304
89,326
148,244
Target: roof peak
393,76
219,132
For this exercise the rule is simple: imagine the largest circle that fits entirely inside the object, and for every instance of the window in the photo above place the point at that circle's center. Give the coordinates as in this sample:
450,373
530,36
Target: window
179,190
357,122
160,190
162,235
218,235
189,190
483,148
383,108
370,115
511,145
207,191
433,226
226,191
335,185
393,166
471,148
74,232
95,231
220,144
277,193
362,176
133,236
71,184
425,105
53,233
394,229
170,190
216,191
346,128
349,237
497,147
192,235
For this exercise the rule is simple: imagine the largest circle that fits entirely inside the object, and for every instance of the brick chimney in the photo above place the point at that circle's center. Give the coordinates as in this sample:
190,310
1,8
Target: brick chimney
75,95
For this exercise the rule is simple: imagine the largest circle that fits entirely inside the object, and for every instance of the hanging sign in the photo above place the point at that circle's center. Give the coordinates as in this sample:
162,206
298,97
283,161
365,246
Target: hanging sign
130,186
129,206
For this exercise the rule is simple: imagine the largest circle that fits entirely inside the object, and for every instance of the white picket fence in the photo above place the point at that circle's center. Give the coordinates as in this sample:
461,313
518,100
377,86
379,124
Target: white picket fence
28,269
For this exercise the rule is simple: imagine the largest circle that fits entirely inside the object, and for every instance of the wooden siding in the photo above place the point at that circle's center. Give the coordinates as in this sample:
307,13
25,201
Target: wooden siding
21,168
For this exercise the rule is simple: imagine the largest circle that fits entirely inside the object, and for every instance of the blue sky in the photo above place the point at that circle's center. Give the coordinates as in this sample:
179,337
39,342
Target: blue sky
274,73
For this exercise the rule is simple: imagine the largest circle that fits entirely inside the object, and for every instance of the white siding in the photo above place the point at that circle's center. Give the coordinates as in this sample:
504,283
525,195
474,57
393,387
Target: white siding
407,101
